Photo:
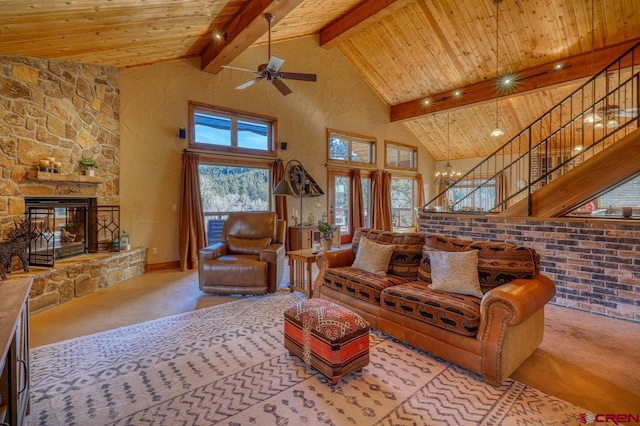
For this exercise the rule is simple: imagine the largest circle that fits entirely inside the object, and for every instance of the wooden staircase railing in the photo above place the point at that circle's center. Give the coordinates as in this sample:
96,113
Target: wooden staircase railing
603,111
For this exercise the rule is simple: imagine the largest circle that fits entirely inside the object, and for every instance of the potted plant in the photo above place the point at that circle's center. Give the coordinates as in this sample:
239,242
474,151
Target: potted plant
88,164
327,231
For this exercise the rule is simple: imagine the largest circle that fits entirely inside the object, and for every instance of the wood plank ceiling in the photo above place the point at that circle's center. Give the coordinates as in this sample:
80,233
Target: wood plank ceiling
406,50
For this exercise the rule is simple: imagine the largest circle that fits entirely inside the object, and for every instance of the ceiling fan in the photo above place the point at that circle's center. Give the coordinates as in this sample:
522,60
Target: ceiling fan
271,71
606,116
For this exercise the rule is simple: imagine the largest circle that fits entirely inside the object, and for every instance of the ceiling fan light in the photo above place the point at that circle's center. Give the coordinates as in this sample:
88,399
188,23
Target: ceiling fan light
497,132
612,124
591,118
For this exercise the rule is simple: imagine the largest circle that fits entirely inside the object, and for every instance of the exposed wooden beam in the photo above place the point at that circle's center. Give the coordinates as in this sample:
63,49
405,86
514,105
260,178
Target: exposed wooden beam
358,18
243,30
529,80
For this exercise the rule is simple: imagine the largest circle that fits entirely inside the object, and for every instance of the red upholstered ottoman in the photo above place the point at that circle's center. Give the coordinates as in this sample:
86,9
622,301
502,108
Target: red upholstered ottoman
330,338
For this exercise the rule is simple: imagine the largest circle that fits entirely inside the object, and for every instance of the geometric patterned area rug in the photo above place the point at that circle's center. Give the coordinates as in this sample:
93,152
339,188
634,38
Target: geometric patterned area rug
227,365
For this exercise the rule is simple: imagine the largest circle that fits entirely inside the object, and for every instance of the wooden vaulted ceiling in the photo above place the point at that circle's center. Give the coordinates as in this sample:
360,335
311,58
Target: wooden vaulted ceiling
406,50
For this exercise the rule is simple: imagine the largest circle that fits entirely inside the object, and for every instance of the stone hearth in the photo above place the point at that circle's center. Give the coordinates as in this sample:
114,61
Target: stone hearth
81,275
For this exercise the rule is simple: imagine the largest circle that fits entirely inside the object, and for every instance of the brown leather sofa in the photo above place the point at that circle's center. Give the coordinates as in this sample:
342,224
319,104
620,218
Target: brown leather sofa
250,257
490,336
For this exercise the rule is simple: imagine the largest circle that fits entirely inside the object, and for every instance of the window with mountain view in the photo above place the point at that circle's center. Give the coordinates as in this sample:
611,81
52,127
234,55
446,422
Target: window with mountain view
225,189
223,130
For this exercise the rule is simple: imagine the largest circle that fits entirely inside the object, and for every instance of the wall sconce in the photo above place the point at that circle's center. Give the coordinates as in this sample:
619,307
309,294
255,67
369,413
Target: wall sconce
182,133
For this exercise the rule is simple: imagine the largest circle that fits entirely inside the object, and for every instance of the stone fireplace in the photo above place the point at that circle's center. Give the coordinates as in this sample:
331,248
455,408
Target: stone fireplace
66,111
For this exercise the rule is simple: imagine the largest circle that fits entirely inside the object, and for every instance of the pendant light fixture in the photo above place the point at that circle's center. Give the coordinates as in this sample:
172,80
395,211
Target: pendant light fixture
448,176
497,131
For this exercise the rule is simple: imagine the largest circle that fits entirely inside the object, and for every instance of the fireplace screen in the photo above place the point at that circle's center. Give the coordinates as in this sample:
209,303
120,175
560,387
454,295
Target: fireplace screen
66,227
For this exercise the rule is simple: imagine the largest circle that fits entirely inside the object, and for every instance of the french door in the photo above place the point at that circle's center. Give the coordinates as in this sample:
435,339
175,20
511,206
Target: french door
340,202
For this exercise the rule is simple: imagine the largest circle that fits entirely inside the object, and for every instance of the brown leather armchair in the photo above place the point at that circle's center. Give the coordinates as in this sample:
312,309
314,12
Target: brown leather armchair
250,257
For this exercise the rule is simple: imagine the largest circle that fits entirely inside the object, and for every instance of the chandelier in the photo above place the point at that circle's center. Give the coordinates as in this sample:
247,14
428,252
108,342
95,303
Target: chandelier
448,176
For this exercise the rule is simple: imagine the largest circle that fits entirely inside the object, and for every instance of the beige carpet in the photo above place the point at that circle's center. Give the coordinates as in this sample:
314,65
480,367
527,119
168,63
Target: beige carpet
227,365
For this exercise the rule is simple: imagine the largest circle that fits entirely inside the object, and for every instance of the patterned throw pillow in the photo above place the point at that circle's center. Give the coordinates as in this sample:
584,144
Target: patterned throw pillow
238,245
407,255
500,263
373,257
372,235
455,272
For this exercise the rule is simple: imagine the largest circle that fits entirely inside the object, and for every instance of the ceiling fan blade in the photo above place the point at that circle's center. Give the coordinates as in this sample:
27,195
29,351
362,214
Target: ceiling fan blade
298,76
249,83
281,86
240,69
274,64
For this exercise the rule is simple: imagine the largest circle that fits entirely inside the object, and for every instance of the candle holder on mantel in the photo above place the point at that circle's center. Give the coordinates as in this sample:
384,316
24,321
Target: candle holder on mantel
49,165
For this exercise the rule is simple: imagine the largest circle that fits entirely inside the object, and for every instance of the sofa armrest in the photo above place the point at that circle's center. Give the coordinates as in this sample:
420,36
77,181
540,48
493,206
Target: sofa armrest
512,325
521,297
212,252
335,258
331,259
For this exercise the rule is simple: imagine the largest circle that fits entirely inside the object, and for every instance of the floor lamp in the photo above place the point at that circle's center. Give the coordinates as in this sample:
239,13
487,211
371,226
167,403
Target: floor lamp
285,188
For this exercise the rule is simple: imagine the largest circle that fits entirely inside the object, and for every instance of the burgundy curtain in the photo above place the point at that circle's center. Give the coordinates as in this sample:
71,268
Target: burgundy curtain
420,195
277,174
356,213
381,200
191,227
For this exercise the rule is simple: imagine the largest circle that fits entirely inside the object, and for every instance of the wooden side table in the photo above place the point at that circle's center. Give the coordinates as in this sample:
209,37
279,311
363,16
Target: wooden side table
300,268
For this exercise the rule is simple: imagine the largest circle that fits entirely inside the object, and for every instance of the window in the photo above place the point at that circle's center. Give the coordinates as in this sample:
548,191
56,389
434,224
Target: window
402,202
224,130
351,148
225,189
626,195
341,201
401,156
484,198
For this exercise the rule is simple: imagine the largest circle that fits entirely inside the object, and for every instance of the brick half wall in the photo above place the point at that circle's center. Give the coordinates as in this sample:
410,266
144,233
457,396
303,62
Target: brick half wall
595,264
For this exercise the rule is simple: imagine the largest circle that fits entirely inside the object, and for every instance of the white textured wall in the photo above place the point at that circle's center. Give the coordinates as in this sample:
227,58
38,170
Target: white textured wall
154,105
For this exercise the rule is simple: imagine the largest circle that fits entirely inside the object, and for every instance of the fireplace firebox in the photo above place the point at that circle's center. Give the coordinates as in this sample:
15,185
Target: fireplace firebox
70,226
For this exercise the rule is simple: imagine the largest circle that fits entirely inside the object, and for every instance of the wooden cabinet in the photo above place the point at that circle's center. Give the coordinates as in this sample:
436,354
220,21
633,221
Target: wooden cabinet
309,235
14,343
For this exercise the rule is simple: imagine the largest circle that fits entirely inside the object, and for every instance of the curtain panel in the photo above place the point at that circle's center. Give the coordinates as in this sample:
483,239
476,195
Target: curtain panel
356,213
420,191
192,235
381,200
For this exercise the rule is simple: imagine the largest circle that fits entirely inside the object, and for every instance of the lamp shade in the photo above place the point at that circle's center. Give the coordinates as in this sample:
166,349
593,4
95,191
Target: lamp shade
284,188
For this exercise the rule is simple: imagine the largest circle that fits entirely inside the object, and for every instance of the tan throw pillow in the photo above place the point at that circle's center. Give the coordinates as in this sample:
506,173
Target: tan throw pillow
373,257
455,272
238,245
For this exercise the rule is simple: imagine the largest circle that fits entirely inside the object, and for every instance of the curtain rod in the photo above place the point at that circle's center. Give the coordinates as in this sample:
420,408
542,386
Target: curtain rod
229,155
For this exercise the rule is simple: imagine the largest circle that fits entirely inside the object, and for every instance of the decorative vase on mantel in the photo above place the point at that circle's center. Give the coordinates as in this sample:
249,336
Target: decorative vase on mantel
89,172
